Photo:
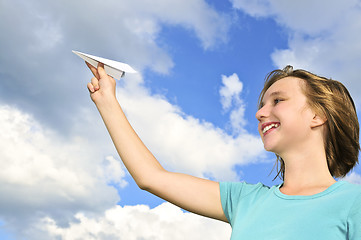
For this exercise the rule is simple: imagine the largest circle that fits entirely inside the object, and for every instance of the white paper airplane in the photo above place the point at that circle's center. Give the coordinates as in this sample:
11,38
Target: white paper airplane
112,68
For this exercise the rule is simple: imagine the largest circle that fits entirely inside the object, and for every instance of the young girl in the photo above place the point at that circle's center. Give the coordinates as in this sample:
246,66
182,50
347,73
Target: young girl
309,122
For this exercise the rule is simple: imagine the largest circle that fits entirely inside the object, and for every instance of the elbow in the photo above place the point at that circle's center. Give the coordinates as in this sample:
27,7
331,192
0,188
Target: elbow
151,182
143,186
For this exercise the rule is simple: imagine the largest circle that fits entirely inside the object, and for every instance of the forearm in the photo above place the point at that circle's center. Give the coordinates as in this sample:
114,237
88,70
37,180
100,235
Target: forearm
139,161
195,194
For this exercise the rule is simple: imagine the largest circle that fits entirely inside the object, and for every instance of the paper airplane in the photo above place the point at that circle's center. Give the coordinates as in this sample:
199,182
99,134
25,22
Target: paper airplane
112,68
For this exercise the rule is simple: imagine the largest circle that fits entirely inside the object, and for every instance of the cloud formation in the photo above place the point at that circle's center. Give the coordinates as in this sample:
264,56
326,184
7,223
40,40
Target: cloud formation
324,36
39,170
66,158
51,170
353,178
182,142
140,222
37,67
231,101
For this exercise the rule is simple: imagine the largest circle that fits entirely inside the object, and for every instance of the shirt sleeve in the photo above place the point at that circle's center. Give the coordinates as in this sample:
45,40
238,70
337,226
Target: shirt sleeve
230,194
354,220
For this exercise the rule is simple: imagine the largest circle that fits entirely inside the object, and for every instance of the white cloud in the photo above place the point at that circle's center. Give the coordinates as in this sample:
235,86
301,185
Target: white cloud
126,29
37,66
40,170
114,172
257,8
209,26
139,222
58,161
299,16
231,101
353,178
230,91
324,36
184,143
60,155
238,120
51,170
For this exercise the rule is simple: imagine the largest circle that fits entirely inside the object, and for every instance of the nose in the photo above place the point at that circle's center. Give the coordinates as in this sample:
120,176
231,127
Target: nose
262,113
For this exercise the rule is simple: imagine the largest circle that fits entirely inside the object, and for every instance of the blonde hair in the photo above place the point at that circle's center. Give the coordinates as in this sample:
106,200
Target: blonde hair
330,99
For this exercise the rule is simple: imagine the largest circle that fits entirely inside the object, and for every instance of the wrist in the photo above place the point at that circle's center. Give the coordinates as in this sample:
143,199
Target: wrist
108,101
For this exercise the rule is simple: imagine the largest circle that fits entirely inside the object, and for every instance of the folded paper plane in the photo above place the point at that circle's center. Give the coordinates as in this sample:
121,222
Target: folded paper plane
112,68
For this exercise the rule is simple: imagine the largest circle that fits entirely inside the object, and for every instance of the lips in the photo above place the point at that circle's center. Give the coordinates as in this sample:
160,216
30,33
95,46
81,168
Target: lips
266,127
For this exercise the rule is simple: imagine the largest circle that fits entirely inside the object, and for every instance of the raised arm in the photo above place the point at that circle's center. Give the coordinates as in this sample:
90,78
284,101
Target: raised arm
194,194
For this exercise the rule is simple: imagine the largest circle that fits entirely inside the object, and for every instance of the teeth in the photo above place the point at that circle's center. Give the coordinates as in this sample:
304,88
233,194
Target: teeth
269,127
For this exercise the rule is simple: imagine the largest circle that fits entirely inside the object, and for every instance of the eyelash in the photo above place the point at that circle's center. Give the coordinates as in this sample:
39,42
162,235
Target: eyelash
277,100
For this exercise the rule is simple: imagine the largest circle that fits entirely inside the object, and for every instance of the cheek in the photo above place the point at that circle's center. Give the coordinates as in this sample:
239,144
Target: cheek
296,126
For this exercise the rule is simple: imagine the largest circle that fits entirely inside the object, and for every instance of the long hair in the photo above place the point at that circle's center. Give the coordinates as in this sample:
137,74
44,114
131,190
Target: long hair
330,99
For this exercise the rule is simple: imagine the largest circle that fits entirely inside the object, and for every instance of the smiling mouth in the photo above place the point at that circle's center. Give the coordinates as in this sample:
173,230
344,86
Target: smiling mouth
268,127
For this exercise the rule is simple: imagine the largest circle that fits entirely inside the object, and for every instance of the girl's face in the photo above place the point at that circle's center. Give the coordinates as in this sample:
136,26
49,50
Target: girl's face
285,119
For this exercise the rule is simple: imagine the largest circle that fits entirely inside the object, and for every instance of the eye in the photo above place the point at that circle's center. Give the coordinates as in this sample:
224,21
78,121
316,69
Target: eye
277,100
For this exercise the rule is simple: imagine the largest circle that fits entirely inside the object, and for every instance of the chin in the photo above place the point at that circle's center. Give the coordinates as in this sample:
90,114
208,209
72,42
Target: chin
267,146
270,148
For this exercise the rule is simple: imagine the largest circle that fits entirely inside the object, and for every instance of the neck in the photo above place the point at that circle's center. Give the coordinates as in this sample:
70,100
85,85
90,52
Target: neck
306,168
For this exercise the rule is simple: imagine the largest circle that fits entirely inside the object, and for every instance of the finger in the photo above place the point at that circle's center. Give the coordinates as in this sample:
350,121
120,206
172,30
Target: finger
101,70
90,88
93,70
95,83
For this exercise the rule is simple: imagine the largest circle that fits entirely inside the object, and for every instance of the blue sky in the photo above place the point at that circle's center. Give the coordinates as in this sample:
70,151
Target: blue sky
201,65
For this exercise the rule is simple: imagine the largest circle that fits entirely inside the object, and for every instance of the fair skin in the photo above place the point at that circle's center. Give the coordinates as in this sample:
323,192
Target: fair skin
298,137
202,196
194,194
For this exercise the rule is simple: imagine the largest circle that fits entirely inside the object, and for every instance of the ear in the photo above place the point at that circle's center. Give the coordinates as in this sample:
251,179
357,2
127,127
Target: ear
318,120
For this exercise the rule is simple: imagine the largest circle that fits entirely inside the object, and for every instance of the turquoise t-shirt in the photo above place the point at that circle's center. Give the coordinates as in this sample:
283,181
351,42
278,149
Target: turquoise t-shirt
258,212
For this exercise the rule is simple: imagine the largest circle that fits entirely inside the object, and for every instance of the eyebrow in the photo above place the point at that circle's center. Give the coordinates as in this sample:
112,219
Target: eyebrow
276,93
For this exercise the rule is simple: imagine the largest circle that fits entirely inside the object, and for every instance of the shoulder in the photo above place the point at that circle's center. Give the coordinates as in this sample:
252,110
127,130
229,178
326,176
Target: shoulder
352,192
355,191
346,192
235,193
350,188
241,189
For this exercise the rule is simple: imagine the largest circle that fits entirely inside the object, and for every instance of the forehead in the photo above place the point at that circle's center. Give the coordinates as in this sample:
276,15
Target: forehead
288,85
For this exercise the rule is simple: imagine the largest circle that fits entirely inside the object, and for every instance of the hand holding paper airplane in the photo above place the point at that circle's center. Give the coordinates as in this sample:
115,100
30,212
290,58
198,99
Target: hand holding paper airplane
112,68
